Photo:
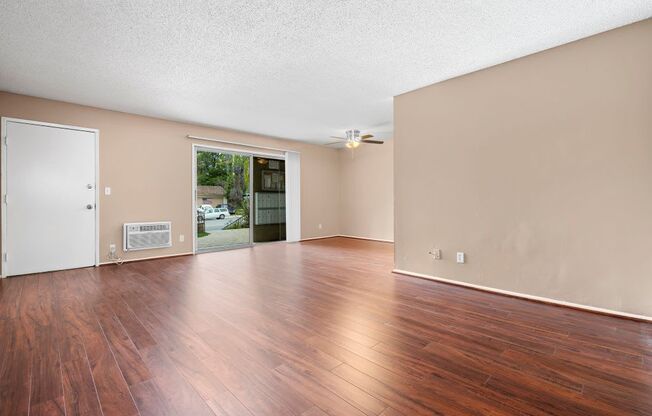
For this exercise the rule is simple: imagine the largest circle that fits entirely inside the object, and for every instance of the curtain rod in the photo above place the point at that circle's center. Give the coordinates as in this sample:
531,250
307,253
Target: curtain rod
239,144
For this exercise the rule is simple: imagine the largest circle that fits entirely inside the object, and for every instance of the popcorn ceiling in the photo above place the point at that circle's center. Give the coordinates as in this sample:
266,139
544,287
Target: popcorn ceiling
296,69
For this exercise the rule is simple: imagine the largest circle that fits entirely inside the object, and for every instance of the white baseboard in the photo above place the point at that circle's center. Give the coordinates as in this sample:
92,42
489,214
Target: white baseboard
190,253
347,236
319,238
366,238
529,297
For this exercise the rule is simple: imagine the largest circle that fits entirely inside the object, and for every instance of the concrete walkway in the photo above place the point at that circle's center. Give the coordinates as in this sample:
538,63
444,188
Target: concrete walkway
223,238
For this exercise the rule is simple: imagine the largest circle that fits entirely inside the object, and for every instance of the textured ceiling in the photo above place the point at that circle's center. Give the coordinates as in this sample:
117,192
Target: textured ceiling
297,69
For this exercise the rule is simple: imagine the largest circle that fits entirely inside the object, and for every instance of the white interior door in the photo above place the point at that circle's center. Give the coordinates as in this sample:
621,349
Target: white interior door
50,209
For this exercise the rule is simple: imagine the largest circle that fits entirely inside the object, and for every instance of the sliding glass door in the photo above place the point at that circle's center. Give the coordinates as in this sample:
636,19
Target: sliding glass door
222,199
268,203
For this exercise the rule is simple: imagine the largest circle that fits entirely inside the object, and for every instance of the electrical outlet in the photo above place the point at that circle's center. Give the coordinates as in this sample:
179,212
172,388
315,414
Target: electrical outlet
107,190
319,226
435,253
112,248
182,238
461,257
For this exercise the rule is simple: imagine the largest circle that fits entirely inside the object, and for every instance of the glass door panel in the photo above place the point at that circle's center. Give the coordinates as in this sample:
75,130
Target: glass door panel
222,200
268,211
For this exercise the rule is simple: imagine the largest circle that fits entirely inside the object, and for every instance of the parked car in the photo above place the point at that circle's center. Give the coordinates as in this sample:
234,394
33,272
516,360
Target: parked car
216,213
204,207
227,206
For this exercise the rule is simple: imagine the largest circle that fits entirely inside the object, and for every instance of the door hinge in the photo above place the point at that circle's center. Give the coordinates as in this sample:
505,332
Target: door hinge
4,198
6,140
4,257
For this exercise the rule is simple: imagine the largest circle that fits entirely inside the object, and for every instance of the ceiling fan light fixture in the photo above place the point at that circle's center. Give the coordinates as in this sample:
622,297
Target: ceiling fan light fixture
353,139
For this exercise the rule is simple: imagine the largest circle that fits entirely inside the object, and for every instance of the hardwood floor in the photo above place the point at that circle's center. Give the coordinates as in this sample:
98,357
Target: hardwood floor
309,329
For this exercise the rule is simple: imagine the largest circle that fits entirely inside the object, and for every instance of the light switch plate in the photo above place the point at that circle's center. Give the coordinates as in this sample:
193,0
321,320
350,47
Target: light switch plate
460,257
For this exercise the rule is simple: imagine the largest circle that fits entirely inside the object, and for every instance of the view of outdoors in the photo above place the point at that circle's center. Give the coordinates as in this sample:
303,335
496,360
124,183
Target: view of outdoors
222,200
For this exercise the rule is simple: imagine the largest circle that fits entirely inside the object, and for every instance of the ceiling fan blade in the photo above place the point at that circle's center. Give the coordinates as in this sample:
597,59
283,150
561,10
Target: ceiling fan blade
372,141
367,136
331,143
339,138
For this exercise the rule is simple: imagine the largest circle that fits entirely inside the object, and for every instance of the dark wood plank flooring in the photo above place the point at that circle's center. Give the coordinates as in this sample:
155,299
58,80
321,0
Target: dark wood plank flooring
309,329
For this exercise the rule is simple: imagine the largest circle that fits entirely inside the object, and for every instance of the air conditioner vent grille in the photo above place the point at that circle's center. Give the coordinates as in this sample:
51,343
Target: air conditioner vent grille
147,235
157,227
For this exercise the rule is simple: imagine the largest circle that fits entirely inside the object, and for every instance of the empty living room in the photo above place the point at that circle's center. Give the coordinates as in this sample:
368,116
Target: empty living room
325,208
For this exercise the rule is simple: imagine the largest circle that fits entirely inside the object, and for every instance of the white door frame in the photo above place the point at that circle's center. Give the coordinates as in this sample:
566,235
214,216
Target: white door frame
252,154
3,185
292,196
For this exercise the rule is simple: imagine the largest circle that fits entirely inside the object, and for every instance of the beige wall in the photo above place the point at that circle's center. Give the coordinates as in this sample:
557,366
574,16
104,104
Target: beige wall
367,191
147,163
539,169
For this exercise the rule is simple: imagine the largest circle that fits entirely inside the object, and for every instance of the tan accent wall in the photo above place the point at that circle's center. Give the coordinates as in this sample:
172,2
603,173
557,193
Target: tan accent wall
540,169
367,191
147,163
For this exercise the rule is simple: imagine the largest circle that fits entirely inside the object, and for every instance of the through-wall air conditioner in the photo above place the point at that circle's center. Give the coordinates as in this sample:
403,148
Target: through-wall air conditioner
146,235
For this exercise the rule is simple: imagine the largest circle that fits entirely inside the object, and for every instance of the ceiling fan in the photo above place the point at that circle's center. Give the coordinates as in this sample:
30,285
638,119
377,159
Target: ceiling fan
353,139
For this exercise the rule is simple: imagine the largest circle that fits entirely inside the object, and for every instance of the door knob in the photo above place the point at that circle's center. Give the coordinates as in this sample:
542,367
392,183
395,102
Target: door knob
89,206
89,186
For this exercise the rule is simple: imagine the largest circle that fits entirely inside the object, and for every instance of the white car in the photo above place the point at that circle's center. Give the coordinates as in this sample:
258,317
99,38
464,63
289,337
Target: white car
216,213
204,207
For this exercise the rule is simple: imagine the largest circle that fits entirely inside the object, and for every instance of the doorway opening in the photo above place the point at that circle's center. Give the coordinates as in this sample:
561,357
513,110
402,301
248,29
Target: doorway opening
222,199
243,198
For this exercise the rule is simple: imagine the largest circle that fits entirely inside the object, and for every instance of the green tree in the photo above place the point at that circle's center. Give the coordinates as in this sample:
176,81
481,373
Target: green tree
212,169
231,172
